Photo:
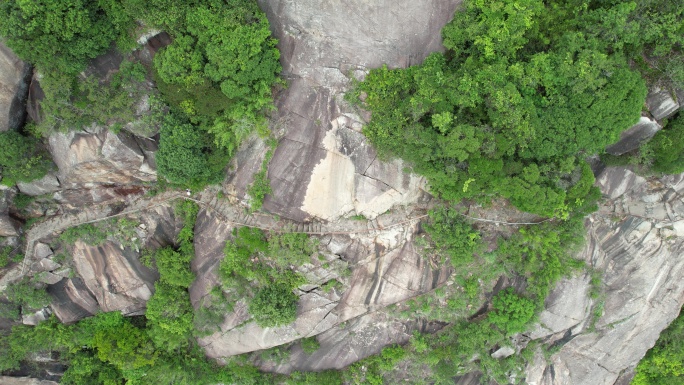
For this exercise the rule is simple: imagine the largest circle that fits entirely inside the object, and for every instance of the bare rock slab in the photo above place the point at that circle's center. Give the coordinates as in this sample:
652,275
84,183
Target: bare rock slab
14,79
615,181
116,277
317,171
661,104
635,136
46,185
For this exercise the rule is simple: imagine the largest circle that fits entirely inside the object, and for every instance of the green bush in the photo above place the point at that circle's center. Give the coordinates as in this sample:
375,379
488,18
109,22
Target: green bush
512,313
453,235
664,362
310,344
274,305
88,233
5,255
186,157
667,148
25,294
22,201
22,159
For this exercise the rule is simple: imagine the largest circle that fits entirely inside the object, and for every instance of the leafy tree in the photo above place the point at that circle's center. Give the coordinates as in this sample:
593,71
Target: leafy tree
226,48
120,343
186,157
512,313
25,293
174,267
274,305
22,159
532,91
170,317
667,148
61,35
664,363
452,234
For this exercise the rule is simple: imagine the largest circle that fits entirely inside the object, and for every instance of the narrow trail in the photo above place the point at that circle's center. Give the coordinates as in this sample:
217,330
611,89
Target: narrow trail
226,211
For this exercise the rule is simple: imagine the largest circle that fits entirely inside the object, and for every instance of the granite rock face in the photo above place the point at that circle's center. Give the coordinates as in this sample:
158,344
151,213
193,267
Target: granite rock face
322,168
385,269
24,381
86,159
661,103
8,227
114,276
14,80
635,242
635,136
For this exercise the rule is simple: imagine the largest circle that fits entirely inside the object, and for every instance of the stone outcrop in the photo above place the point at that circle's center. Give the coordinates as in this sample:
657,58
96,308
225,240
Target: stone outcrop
14,80
24,381
322,168
46,185
662,103
635,241
385,269
99,156
8,227
635,136
114,276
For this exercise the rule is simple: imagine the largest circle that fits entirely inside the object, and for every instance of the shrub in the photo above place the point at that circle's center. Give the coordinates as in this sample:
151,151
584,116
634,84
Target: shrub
22,201
274,305
310,345
186,157
21,158
512,313
88,233
25,294
5,255
453,235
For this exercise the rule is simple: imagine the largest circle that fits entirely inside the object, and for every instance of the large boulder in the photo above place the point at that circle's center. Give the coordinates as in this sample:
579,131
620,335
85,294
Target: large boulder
662,103
99,157
14,80
635,136
115,277
319,168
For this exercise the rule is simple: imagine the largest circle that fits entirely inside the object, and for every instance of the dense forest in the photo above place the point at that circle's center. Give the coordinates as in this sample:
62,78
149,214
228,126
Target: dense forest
525,92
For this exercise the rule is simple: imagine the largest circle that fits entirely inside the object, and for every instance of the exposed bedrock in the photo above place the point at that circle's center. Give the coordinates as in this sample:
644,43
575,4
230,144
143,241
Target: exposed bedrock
322,166
106,277
93,166
635,241
24,381
385,269
14,81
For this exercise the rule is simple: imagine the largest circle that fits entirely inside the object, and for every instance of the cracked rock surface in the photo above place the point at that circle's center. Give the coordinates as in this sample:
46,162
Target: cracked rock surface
322,166
385,269
635,241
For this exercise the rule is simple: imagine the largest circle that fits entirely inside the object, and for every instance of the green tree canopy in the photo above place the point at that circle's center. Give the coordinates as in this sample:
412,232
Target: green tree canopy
21,158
